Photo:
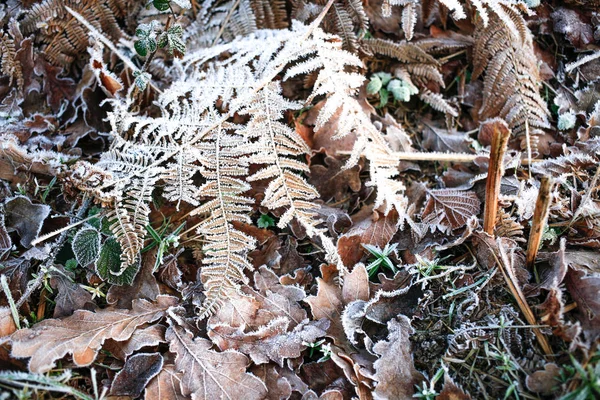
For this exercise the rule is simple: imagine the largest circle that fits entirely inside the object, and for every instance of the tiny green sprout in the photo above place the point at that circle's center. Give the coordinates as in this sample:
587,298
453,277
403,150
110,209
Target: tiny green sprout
95,291
326,350
313,346
265,221
71,264
425,392
382,258
163,243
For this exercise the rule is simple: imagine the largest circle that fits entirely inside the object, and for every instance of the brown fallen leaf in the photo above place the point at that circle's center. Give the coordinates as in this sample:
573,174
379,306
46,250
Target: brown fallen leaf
25,218
165,386
83,333
209,374
138,370
7,323
333,181
272,342
545,380
585,288
449,209
376,229
278,387
451,391
69,295
395,373
153,335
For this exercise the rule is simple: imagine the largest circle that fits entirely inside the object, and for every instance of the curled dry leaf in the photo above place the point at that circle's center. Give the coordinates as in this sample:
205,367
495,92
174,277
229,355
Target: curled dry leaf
451,391
333,181
208,374
153,335
165,386
138,370
584,289
25,218
272,342
395,373
83,333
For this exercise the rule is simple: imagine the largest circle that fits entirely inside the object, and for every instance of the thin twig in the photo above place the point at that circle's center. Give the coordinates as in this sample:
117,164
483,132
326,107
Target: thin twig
540,217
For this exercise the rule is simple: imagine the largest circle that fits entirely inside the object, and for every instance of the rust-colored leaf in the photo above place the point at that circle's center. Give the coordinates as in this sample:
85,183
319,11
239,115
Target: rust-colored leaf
449,209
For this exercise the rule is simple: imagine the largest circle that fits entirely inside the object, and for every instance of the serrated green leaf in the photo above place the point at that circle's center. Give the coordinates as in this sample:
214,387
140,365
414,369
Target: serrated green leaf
109,264
141,79
161,5
86,246
172,39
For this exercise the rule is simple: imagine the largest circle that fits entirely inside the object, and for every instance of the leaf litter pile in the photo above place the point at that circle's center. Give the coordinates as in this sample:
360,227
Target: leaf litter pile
304,199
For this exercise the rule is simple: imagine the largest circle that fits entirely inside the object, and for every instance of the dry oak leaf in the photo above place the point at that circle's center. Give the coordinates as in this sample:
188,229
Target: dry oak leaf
376,229
449,209
165,386
7,323
83,333
278,386
330,301
153,335
272,342
395,373
333,181
208,374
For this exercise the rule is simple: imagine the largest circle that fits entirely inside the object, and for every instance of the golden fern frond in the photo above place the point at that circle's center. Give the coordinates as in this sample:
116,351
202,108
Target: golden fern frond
225,247
409,53
512,81
10,65
437,102
278,145
64,38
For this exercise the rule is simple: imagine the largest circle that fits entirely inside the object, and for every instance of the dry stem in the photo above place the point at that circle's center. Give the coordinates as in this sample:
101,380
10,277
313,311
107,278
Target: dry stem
540,216
500,135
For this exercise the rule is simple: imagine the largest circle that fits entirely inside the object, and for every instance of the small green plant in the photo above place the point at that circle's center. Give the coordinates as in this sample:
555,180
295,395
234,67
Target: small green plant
383,84
589,376
427,391
265,221
321,346
382,258
163,242
152,36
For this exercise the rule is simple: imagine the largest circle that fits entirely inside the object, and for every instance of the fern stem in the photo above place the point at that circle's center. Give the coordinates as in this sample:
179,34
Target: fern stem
222,29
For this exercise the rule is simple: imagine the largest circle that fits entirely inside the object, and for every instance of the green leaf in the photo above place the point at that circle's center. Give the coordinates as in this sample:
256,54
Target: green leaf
141,79
384,76
109,264
86,246
401,90
374,85
161,5
265,221
383,98
71,264
141,47
172,39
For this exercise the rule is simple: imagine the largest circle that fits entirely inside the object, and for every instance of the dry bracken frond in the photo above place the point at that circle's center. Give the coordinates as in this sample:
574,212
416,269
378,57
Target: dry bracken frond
10,65
511,84
63,37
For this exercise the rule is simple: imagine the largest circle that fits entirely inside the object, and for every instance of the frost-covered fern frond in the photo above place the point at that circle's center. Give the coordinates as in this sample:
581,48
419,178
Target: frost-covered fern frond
512,81
225,247
195,134
346,18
